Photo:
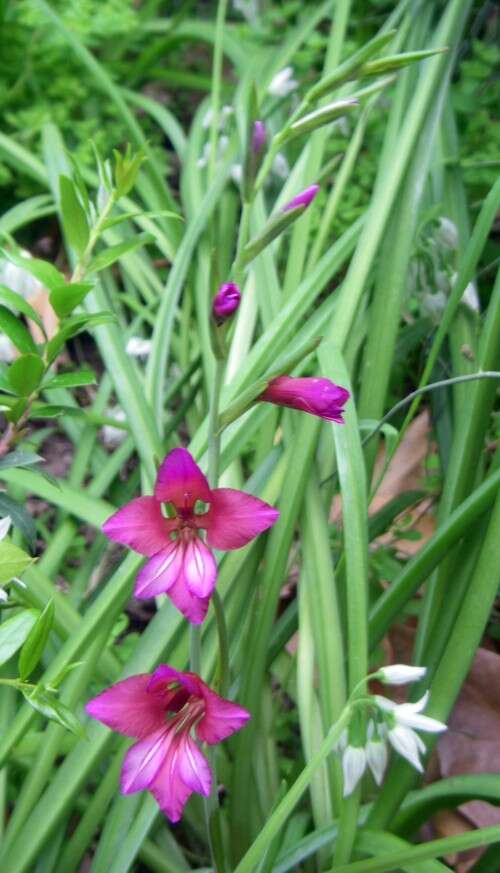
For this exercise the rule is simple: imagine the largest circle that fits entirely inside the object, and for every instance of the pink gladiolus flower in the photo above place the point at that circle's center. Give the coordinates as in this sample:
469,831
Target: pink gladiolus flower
309,394
305,198
226,301
181,565
162,710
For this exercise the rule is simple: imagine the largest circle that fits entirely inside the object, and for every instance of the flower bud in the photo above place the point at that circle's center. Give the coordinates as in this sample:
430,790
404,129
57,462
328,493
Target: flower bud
282,83
258,137
255,152
400,674
305,198
226,302
308,394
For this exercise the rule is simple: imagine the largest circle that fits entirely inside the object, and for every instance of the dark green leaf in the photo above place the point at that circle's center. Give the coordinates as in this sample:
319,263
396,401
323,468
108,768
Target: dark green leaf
75,221
19,458
49,706
75,325
43,271
12,561
109,256
20,518
36,641
16,330
26,373
14,631
65,298
18,302
72,380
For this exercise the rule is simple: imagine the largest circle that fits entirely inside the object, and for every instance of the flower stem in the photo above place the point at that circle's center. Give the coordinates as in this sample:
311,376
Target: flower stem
292,797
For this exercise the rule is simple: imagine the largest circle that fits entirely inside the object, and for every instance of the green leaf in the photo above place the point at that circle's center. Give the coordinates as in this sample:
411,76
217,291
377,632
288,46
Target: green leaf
19,458
12,561
43,271
126,216
73,326
25,374
14,631
36,641
20,518
55,410
75,222
72,380
16,330
18,302
109,256
64,298
44,702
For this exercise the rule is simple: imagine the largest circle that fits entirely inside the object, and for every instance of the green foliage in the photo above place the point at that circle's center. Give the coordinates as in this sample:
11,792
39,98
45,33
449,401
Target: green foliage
365,288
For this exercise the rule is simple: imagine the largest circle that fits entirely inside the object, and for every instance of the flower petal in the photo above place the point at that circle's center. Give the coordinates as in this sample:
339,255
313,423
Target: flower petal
139,525
376,757
199,568
161,572
235,518
168,788
221,719
308,394
193,767
193,608
129,708
353,767
419,722
143,761
180,481
407,744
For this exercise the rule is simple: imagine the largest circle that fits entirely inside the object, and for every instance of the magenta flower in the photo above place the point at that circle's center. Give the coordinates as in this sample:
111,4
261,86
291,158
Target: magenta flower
226,302
181,565
309,394
163,710
305,198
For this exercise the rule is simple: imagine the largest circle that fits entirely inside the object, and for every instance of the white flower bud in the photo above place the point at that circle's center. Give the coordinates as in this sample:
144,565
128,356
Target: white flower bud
138,347
353,767
400,674
376,758
407,744
448,233
282,83
280,166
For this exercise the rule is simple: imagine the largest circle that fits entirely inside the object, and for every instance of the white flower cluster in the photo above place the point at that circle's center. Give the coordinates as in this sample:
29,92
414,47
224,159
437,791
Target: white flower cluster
392,724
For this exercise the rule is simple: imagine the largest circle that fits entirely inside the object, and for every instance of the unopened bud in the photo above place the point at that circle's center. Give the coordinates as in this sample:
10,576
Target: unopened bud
279,222
226,302
305,198
320,117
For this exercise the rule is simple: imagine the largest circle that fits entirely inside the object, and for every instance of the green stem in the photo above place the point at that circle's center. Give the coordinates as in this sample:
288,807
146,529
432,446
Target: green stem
216,87
292,797
223,675
213,425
